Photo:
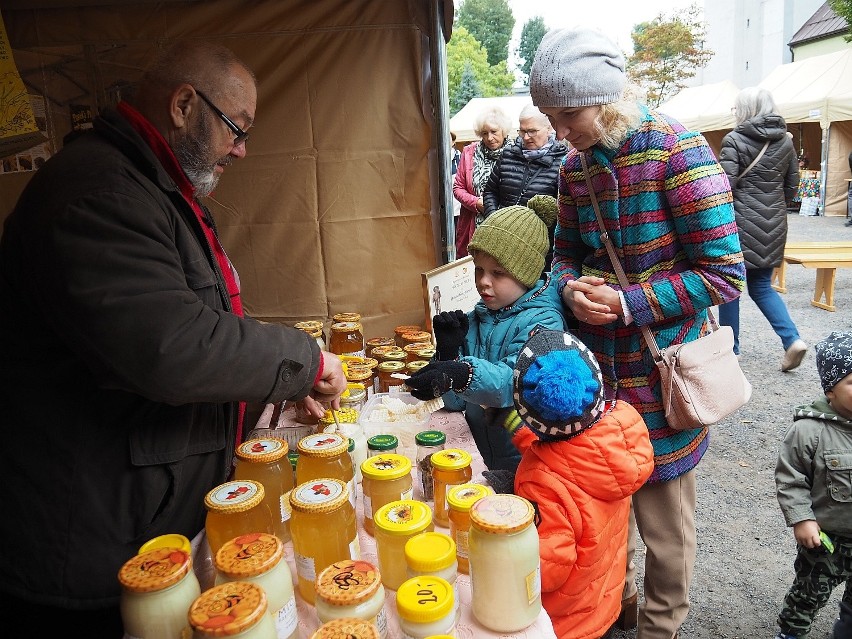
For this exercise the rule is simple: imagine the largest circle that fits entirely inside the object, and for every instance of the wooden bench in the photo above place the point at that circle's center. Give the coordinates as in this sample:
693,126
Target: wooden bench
778,274
826,265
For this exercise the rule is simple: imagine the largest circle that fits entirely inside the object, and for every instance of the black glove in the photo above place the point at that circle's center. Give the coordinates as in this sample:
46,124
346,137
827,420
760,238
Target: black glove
450,330
437,378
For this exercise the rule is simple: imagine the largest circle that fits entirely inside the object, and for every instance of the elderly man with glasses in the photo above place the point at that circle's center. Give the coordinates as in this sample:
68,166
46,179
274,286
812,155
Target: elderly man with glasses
126,356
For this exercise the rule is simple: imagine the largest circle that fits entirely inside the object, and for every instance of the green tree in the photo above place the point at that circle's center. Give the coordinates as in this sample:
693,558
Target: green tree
464,51
531,36
667,51
468,88
491,23
843,8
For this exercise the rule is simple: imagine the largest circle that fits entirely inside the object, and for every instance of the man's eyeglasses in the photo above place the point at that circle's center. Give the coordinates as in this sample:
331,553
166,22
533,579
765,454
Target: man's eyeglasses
240,135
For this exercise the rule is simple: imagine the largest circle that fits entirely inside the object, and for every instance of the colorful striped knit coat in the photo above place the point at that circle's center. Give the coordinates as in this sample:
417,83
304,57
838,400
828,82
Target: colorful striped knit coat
667,206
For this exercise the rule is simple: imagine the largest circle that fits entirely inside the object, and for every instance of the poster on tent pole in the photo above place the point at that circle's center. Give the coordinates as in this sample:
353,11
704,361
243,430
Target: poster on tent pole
449,288
18,128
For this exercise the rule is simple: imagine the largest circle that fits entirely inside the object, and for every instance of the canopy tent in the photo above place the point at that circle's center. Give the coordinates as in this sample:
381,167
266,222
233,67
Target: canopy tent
342,200
462,123
703,108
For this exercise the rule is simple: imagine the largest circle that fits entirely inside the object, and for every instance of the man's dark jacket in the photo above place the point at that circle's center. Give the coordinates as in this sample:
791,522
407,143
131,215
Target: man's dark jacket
120,371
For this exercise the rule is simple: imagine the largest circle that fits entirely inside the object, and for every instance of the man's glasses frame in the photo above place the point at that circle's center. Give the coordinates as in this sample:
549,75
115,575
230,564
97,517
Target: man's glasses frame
241,136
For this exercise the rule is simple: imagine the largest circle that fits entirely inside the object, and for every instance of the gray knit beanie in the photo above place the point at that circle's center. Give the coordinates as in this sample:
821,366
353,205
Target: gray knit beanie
576,67
516,236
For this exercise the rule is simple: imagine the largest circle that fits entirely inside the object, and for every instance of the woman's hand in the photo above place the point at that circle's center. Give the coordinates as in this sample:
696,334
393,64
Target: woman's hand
592,301
480,205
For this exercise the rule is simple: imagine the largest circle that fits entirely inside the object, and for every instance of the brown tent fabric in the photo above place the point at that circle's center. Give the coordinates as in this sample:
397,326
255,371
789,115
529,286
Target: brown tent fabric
336,207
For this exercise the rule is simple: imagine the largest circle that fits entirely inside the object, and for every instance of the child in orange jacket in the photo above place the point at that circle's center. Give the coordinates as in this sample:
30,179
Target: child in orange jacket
583,458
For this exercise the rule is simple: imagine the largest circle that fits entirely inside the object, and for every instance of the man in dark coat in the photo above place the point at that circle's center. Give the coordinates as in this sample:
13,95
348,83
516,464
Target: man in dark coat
126,356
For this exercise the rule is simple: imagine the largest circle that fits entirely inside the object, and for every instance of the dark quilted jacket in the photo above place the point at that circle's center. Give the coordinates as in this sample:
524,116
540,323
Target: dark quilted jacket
761,196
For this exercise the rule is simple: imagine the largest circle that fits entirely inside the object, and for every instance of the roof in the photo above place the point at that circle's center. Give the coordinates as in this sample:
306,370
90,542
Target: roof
822,24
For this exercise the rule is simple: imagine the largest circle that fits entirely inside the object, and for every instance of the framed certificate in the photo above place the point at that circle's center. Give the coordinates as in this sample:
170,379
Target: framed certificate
448,288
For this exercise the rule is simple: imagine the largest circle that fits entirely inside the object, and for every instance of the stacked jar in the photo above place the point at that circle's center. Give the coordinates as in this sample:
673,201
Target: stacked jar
378,341
426,607
416,337
259,558
385,478
433,554
450,468
323,528
346,628
236,508
351,588
346,338
389,375
416,365
394,524
355,395
326,455
157,588
459,501
314,329
362,374
505,574
265,460
237,609
400,330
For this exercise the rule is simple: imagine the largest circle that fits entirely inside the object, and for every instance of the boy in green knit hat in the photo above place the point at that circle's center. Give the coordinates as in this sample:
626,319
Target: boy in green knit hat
476,352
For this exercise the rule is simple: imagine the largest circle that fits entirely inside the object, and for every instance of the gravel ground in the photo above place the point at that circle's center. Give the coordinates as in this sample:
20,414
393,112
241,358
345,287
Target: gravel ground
745,552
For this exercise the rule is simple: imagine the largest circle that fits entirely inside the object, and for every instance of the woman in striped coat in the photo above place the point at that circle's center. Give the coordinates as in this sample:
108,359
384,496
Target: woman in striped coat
666,205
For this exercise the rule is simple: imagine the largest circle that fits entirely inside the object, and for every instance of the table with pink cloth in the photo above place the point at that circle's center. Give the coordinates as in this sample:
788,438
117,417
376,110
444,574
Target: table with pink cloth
458,436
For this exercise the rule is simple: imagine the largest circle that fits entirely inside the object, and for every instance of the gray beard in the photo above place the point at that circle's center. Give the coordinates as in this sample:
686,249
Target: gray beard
193,155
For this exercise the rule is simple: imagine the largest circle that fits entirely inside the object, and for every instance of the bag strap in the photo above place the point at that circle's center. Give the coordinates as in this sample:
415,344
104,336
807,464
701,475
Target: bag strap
754,161
650,340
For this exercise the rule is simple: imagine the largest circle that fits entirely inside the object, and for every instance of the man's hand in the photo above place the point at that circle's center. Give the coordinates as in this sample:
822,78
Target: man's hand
438,378
450,331
329,386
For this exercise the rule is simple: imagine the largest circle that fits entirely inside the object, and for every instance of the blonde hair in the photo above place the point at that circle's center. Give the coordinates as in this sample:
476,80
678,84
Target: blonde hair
492,116
616,119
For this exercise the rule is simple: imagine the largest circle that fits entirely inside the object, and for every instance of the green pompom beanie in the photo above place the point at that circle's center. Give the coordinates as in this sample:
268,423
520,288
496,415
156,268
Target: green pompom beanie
516,236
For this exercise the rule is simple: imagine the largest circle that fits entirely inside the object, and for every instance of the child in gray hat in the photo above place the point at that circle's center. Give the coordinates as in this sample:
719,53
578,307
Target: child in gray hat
813,479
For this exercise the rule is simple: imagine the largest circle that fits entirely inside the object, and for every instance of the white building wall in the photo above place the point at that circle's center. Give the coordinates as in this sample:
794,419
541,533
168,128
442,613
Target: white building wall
749,37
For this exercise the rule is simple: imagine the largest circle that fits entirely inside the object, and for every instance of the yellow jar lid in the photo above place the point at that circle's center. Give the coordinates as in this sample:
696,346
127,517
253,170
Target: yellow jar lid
430,551
393,356
424,599
249,555
346,317
461,498
172,540
426,353
227,609
320,496
234,496
391,366
502,514
323,444
403,517
386,466
155,569
347,628
346,327
416,365
451,459
348,582
262,450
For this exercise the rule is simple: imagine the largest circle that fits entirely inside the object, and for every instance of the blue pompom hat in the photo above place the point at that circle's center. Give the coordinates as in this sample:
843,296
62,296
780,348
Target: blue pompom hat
558,387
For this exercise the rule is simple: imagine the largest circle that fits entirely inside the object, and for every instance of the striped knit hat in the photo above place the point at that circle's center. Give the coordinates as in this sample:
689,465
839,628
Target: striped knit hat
558,387
516,236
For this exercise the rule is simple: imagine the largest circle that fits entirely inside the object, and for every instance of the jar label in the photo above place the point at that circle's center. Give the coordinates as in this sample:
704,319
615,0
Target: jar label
462,544
286,619
305,567
351,484
533,581
381,623
355,550
368,507
284,506
447,490
408,494
319,492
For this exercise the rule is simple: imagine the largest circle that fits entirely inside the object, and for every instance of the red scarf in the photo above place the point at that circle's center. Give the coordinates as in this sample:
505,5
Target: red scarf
167,158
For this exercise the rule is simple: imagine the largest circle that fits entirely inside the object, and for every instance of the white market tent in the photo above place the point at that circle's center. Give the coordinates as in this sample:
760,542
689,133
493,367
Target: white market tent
703,108
462,123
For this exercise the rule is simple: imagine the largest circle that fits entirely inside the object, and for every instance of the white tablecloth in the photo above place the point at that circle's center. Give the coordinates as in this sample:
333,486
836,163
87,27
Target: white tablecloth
458,436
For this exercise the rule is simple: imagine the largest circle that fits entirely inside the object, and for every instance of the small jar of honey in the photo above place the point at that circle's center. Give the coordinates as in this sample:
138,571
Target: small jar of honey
399,331
347,338
387,370
378,341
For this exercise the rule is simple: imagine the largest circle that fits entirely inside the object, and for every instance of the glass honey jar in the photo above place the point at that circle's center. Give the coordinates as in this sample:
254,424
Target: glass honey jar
347,628
363,375
385,477
450,467
346,317
413,367
346,339
314,329
382,445
387,370
323,528
326,455
352,588
505,573
265,460
394,524
400,330
380,353
412,351
259,558
233,609
416,337
355,395
460,499
378,341
157,588
236,508
427,353
426,606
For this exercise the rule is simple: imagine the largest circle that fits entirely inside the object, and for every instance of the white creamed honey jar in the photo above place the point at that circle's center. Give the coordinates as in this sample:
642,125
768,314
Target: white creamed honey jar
232,609
351,588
